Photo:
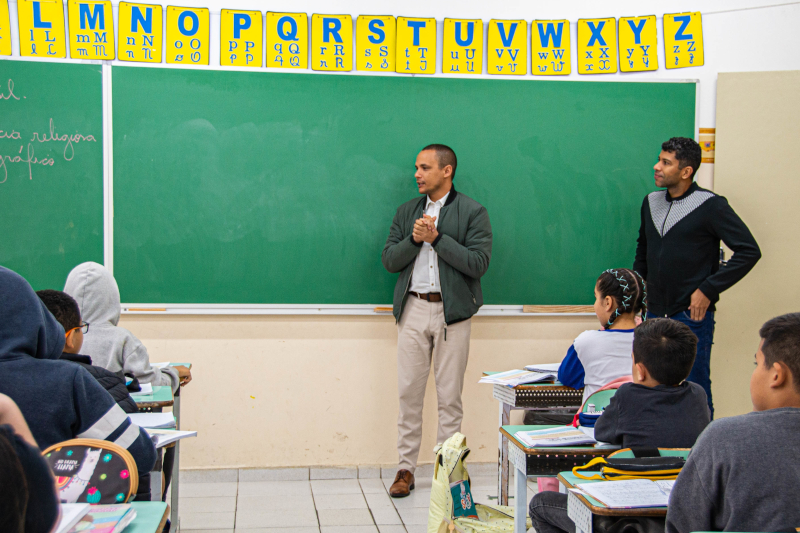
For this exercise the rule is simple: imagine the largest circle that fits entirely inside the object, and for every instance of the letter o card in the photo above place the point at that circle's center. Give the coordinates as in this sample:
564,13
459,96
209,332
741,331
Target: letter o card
187,35
508,47
462,45
683,40
91,29
287,40
550,48
241,38
597,46
375,43
638,44
416,45
5,29
41,28
140,32
332,42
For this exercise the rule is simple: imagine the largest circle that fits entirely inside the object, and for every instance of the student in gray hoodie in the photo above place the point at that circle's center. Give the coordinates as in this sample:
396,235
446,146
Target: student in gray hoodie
110,346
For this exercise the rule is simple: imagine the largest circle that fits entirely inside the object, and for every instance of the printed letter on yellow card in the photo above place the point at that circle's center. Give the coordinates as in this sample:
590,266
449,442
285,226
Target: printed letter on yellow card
416,45
187,35
332,42
41,28
91,29
241,38
550,48
462,46
140,33
287,40
375,43
683,40
597,46
5,29
508,48
638,44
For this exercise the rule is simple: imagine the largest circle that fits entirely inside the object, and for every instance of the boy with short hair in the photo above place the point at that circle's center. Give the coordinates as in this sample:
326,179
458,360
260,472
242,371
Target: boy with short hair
66,311
659,409
743,473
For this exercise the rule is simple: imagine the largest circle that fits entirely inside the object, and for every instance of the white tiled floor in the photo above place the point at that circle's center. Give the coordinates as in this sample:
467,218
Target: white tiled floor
310,506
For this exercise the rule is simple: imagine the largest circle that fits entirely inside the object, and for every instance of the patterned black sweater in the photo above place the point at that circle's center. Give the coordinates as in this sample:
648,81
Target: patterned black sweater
678,248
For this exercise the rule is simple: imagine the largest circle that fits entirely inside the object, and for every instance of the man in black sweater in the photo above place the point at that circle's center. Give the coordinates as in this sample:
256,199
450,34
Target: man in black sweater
678,249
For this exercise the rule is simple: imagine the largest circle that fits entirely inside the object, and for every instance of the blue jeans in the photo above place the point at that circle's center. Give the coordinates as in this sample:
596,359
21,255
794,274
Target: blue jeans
704,329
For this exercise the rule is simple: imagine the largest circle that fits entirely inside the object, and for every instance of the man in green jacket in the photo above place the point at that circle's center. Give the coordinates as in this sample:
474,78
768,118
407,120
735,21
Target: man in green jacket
441,245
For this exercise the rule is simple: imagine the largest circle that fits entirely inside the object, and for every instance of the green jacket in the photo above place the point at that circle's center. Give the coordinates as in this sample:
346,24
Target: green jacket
464,247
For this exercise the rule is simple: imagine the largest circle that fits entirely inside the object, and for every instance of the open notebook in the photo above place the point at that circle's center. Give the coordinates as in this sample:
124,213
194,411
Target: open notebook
630,493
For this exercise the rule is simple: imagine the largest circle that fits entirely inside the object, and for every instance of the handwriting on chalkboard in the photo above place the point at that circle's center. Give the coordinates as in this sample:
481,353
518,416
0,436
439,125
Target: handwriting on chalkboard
68,148
10,94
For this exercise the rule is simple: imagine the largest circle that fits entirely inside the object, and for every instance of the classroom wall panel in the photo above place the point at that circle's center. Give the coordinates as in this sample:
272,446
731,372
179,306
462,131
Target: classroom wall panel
758,125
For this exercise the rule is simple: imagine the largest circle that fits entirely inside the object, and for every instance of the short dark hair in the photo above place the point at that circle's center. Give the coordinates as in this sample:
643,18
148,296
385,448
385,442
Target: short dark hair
62,306
444,155
628,290
666,348
782,343
14,500
686,151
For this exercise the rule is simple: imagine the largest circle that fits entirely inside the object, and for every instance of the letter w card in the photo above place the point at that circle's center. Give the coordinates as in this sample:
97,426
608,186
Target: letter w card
375,43
683,40
550,48
638,44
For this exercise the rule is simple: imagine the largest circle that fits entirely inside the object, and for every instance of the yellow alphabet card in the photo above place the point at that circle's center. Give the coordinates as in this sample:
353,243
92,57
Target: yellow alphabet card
140,32
375,43
91,29
331,42
187,35
550,48
597,46
683,40
5,29
463,46
508,47
287,40
638,44
41,28
241,38
416,45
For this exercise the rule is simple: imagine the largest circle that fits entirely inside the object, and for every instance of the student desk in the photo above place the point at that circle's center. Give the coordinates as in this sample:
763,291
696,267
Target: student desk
542,461
160,398
151,517
533,397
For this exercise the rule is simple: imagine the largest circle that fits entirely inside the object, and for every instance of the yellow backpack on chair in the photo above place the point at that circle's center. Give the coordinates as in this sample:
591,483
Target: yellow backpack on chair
450,469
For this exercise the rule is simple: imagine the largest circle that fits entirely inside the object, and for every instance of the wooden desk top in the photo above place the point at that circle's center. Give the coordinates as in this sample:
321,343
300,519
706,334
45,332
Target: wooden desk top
151,517
570,480
161,397
509,432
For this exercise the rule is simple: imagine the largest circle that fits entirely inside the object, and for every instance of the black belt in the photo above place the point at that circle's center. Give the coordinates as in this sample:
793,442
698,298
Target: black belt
430,296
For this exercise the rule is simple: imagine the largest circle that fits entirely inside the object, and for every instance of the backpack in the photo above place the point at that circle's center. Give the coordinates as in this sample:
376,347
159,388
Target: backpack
92,471
636,463
450,477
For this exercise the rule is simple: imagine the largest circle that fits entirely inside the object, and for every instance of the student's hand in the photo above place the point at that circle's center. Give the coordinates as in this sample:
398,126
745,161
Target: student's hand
698,306
184,373
424,231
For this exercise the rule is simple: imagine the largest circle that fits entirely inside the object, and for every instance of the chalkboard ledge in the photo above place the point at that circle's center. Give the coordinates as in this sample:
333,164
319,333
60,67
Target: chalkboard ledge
330,309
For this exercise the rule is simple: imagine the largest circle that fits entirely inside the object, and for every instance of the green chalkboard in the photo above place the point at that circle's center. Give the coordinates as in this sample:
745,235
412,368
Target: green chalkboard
51,174
260,187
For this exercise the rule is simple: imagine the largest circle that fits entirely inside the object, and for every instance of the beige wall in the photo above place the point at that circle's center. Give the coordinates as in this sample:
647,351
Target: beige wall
280,391
757,161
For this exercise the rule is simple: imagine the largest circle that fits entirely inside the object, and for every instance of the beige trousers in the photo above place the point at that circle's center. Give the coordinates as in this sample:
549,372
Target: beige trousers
420,339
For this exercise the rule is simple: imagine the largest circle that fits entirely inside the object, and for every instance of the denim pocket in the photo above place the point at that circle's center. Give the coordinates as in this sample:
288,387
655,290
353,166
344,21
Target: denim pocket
688,316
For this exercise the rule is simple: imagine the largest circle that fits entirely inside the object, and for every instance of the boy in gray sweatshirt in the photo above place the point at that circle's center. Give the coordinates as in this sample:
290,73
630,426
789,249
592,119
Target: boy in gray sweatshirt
110,346
743,474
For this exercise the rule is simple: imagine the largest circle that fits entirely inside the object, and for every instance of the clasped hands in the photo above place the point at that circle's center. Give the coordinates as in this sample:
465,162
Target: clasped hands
425,229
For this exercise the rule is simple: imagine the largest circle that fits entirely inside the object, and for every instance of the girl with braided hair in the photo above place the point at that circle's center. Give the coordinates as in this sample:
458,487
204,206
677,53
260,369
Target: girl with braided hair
598,357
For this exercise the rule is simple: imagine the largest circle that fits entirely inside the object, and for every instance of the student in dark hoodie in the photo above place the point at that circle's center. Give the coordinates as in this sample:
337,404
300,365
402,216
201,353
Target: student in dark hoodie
59,399
66,311
659,409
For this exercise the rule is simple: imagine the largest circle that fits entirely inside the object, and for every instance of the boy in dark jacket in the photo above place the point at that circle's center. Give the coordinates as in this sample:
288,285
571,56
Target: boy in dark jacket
659,409
68,314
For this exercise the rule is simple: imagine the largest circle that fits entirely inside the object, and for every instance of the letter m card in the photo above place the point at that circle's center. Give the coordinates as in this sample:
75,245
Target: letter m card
91,29
683,40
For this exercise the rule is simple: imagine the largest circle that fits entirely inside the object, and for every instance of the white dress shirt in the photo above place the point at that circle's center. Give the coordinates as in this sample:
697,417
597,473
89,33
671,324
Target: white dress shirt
425,277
